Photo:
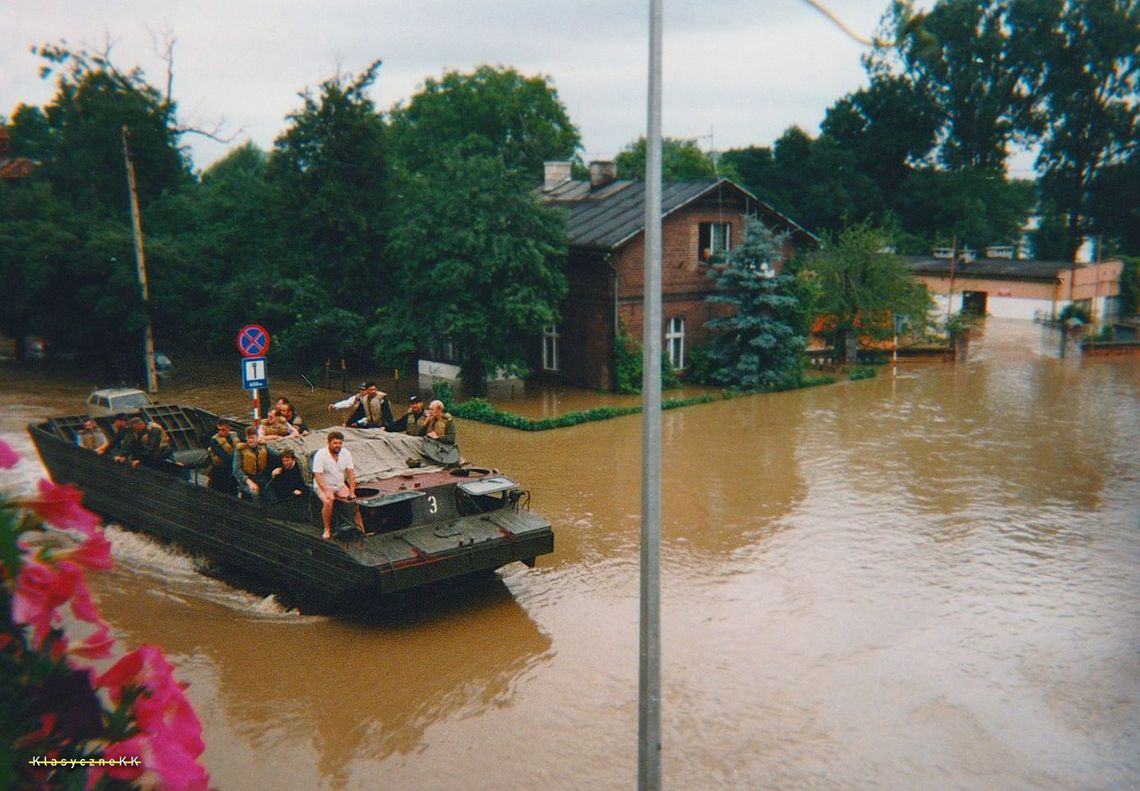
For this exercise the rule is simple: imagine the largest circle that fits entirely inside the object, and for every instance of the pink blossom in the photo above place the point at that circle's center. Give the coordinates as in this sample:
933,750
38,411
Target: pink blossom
170,731
129,748
93,553
8,457
96,645
40,591
59,505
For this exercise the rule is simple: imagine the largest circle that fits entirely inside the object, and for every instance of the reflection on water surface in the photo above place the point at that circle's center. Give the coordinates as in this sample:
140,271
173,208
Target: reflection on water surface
923,581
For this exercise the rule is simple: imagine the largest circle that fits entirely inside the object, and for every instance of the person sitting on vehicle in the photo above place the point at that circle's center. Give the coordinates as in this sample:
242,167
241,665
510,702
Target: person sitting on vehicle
286,480
370,408
439,425
276,427
220,452
150,444
334,478
90,436
286,409
253,465
120,440
415,421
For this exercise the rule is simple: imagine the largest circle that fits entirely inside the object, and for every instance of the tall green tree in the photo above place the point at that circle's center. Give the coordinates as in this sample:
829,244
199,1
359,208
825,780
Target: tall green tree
1091,114
975,206
861,287
977,60
815,181
236,245
681,160
330,171
1114,204
889,127
66,229
760,345
480,264
492,111
81,150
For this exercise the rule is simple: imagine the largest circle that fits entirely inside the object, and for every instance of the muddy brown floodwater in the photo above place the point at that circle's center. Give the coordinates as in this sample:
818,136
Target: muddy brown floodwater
929,581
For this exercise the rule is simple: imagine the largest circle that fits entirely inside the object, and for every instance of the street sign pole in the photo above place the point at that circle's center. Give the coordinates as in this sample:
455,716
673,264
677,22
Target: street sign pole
253,343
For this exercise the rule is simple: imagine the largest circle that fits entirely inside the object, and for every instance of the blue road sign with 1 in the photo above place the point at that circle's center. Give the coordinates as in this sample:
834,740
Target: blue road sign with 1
253,373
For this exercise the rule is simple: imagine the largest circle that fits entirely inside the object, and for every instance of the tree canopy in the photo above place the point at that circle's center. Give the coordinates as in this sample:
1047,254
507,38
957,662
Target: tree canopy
479,265
861,287
681,160
493,111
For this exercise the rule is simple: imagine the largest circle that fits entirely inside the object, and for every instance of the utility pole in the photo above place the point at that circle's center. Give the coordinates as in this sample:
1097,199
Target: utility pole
140,261
649,676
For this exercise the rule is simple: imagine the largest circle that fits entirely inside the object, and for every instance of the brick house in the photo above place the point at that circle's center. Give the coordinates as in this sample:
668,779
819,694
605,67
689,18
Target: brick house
605,221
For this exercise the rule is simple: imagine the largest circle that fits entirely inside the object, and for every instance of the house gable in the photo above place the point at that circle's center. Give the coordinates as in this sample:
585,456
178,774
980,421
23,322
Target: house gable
605,224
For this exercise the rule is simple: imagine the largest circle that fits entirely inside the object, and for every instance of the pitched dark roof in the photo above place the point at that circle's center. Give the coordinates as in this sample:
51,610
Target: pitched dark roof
607,217
993,268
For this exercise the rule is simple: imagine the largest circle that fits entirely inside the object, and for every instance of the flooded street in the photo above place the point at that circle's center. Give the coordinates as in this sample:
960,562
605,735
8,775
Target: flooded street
929,581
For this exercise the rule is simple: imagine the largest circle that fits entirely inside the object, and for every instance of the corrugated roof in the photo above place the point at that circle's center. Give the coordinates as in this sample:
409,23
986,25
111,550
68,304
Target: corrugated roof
993,268
607,217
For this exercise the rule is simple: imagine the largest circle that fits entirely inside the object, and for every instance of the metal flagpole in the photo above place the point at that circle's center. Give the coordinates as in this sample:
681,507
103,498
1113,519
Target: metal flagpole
649,686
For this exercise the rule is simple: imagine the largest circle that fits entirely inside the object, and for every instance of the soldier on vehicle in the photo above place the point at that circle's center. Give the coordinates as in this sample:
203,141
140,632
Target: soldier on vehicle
221,455
253,465
440,425
90,436
150,444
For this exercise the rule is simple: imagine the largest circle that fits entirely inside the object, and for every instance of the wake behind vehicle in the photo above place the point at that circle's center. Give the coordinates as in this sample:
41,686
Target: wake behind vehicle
431,521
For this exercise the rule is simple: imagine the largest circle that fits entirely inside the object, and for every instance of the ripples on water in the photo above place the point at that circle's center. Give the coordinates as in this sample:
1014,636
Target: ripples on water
929,581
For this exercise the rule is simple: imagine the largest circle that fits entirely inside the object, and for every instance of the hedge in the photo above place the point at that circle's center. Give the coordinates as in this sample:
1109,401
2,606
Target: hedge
482,410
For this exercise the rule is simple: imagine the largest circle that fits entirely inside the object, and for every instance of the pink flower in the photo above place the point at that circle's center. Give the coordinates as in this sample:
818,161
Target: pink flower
8,457
96,645
59,505
93,553
129,748
170,733
40,591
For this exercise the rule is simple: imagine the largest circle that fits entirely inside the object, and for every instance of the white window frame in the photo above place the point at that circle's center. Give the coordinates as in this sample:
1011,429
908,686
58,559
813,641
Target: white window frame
675,342
551,356
719,240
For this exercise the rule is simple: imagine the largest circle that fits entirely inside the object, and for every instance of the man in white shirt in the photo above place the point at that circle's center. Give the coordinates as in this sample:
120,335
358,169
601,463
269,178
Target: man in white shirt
334,478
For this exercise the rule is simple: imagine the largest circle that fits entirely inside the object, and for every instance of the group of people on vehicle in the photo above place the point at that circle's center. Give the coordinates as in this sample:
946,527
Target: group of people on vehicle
133,441
255,469
370,408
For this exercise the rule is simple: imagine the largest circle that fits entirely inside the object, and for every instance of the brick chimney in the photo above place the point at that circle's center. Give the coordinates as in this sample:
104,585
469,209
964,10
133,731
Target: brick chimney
602,172
555,173
5,145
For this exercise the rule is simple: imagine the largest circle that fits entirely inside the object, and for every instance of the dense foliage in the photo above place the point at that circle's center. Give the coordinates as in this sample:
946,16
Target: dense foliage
924,149
861,287
478,263
357,218
760,344
492,111
681,160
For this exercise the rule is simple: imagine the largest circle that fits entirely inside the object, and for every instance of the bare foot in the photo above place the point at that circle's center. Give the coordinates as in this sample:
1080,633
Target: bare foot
326,536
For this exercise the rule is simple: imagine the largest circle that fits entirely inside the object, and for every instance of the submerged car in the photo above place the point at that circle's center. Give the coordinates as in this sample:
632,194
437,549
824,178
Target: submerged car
113,400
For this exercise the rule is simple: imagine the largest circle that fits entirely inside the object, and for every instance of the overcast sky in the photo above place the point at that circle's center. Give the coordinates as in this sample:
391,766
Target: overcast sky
736,72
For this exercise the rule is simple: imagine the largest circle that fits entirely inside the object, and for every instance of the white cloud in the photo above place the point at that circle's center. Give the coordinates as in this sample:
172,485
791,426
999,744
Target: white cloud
743,70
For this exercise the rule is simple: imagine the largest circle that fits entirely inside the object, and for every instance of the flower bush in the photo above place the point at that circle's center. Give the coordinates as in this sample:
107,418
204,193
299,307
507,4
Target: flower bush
64,723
